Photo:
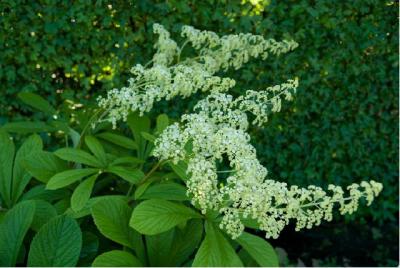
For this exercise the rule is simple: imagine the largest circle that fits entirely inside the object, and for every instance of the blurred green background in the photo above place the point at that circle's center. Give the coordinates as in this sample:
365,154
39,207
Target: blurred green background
341,128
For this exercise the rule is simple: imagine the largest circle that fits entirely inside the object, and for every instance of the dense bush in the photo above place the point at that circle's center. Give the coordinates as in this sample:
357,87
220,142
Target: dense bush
342,127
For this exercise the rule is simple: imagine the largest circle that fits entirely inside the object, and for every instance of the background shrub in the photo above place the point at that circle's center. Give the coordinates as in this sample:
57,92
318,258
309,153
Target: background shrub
342,127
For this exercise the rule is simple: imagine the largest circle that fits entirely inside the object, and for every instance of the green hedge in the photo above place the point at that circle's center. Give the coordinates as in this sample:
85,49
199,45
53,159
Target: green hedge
342,127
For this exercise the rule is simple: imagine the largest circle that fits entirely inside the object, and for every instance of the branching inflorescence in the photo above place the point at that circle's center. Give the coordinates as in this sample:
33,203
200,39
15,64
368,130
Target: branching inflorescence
217,130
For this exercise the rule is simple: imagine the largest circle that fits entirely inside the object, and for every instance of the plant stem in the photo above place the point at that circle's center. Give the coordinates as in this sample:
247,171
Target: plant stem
86,127
155,167
130,190
226,171
180,50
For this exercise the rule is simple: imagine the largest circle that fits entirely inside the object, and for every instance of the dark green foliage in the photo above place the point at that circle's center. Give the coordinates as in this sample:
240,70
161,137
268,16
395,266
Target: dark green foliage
57,243
115,227
341,129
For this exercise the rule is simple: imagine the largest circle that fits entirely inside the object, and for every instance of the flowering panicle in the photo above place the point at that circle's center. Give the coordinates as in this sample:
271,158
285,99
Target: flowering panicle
165,80
159,82
166,47
233,50
259,103
217,132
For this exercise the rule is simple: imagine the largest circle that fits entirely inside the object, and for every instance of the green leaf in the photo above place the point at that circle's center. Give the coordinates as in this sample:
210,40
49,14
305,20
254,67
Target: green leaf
21,178
75,136
43,213
6,163
249,222
215,250
58,243
185,243
162,123
116,258
13,228
67,177
62,206
44,165
139,124
180,170
247,260
82,193
259,249
156,216
118,140
132,175
37,102
78,156
111,216
158,248
141,189
90,247
27,127
167,191
127,160
97,149
39,192
148,137
86,210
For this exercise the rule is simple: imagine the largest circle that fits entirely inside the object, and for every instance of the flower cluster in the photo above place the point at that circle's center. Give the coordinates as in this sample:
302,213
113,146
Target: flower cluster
233,50
216,132
259,103
169,76
159,82
166,47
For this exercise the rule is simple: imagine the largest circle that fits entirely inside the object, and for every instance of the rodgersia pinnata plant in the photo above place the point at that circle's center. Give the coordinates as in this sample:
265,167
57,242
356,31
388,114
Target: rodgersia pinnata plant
217,131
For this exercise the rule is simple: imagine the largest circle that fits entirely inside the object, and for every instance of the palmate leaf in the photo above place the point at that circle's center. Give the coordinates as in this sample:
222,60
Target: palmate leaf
44,211
158,248
118,140
44,165
78,156
186,241
132,175
139,124
13,228
116,258
82,193
126,160
40,192
172,248
21,178
215,250
67,177
86,210
156,216
58,243
111,216
167,191
259,249
247,260
6,163
141,189
97,149
13,176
